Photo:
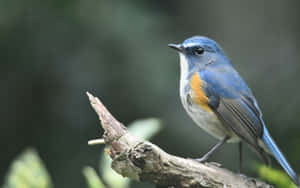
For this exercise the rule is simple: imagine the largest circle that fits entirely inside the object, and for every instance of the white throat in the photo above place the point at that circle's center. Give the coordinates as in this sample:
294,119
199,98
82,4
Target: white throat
184,69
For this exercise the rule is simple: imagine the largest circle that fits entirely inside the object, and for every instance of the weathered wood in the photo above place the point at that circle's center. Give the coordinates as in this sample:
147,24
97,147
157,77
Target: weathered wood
143,161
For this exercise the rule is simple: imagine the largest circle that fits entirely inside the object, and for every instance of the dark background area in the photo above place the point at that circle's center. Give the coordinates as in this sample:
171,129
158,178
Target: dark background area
52,52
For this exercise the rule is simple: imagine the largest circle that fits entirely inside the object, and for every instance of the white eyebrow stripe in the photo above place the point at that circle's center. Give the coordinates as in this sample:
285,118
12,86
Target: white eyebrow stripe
190,44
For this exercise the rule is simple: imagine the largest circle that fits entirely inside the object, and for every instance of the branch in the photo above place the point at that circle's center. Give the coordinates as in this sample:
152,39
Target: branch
143,161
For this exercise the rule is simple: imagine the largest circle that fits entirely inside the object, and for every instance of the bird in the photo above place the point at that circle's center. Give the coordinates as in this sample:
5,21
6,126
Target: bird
218,100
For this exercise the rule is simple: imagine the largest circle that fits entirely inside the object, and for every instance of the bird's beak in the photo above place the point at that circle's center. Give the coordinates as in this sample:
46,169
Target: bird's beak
177,47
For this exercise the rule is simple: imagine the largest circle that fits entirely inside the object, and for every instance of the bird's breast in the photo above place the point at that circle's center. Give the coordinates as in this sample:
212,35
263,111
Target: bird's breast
197,93
195,102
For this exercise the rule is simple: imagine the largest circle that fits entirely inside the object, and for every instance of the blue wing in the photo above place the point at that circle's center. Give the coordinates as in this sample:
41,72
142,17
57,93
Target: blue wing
233,102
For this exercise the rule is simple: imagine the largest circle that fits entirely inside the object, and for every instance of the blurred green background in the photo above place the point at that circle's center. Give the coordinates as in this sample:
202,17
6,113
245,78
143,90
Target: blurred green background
52,52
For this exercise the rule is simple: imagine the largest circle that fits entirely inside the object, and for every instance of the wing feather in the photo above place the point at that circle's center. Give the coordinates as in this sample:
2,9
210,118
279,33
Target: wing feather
233,102
240,119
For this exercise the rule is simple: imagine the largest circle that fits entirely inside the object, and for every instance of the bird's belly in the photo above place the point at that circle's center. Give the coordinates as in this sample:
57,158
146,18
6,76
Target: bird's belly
209,122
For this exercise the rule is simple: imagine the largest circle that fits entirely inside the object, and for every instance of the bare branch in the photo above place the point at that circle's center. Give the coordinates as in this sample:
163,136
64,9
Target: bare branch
144,161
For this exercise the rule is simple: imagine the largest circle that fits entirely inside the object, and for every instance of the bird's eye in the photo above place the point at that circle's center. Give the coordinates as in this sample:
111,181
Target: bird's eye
199,51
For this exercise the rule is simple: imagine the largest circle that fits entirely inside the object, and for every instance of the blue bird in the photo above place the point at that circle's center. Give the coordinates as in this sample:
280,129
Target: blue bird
220,102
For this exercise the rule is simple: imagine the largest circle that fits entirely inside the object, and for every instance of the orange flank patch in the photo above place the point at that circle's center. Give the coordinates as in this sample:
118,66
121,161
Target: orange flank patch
198,96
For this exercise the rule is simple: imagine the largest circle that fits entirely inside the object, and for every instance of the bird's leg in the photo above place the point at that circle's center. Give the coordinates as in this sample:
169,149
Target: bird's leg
240,156
212,150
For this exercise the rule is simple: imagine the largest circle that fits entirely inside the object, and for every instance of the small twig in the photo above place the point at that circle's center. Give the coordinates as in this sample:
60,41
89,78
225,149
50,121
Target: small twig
96,141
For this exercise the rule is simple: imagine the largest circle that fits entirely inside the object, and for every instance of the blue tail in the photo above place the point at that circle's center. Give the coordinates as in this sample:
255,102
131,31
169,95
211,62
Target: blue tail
269,142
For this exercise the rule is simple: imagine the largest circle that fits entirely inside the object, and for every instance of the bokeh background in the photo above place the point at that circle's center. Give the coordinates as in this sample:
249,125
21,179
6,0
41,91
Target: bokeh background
52,52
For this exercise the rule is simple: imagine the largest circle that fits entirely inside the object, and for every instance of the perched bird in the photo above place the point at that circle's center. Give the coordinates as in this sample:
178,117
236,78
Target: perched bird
220,102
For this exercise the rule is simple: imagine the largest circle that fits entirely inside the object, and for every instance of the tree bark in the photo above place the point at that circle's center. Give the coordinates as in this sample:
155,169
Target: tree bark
143,161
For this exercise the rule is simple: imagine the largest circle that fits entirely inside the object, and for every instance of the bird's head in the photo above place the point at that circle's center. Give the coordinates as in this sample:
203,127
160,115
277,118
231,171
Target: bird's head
199,51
